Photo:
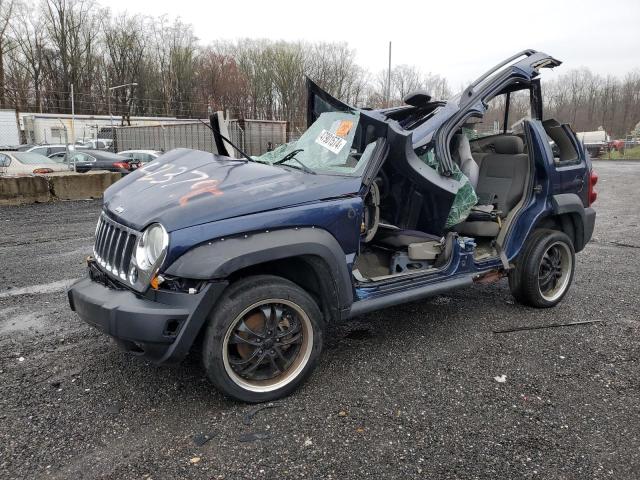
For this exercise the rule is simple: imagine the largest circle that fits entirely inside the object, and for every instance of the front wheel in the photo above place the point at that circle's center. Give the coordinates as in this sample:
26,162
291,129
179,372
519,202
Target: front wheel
263,339
544,271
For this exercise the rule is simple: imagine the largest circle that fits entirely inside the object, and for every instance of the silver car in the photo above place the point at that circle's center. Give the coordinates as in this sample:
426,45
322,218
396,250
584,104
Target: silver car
28,163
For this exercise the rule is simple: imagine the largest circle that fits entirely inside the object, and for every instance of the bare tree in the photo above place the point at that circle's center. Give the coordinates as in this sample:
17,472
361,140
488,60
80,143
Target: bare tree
6,11
404,80
72,27
124,46
28,33
221,84
44,50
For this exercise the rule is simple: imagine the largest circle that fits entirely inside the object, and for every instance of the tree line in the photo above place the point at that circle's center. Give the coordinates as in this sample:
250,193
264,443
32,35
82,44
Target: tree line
48,46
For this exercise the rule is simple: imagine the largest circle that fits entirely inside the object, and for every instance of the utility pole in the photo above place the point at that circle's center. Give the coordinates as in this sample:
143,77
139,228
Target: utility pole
389,78
73,117
109,107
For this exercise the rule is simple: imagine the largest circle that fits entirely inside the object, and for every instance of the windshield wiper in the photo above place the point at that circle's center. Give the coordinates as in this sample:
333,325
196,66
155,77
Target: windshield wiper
216,131
301,167
289,156
292,156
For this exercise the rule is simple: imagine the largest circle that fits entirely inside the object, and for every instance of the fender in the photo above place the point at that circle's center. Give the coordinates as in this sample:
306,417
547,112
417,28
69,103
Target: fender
571,204
220,258
567,203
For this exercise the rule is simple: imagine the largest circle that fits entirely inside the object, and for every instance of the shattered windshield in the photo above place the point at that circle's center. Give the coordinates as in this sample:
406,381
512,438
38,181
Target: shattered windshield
326,147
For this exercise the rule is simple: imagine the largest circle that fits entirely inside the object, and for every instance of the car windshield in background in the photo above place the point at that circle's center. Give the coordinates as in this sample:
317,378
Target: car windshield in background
30,158
326,147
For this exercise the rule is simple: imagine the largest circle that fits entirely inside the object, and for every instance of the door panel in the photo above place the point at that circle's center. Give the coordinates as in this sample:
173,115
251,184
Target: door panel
569,161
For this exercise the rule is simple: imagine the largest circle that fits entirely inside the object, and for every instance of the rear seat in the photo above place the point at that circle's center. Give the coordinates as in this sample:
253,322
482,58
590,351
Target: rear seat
479,157
501,183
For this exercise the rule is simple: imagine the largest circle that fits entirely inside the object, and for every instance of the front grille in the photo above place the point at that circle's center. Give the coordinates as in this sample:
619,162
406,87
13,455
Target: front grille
114,246
101,277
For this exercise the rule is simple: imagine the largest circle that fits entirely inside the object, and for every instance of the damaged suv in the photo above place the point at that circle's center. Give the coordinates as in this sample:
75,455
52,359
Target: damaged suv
250,258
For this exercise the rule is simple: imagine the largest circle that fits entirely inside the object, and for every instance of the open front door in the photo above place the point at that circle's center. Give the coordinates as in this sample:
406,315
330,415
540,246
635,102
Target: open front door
319,101
527,63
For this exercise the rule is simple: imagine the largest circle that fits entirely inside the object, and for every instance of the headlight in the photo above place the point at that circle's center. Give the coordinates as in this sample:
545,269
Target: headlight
149,253
151,246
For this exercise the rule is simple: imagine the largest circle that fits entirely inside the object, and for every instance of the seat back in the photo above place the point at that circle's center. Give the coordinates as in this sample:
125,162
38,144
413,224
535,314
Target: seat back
503,174
478,157
464,159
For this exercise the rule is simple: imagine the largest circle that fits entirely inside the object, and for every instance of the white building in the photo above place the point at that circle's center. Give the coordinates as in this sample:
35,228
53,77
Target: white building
63,128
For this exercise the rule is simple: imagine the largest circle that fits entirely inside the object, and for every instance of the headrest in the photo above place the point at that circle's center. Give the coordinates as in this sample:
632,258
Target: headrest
508,145
417,98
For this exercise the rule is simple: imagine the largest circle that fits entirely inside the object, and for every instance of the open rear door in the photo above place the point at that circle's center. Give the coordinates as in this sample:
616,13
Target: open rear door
319,101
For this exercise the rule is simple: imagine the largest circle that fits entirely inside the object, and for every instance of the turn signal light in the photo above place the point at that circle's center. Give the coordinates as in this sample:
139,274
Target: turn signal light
593,194
43,170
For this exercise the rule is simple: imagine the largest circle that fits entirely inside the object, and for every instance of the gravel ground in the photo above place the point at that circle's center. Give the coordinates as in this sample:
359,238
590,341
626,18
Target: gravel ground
407,392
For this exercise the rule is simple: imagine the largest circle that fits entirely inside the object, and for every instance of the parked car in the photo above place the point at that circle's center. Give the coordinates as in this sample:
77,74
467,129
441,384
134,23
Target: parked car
142,156
21,163
96,144
60,157
252,258
64,158
46,150
86,160
21,148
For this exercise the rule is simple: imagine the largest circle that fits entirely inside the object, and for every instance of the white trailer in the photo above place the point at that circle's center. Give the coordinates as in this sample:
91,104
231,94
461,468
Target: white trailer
9,132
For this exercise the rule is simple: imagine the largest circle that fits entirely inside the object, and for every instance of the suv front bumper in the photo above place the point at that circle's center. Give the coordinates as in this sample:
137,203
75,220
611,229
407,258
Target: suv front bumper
160,325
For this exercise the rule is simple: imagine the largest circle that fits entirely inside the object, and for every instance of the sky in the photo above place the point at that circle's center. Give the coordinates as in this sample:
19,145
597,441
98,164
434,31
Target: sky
457,39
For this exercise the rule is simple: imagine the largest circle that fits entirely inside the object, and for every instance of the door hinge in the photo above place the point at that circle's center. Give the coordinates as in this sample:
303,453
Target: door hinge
537,188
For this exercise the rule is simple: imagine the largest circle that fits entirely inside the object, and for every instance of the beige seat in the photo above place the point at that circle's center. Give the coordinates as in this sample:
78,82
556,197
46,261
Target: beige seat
479,157
464,159
501,183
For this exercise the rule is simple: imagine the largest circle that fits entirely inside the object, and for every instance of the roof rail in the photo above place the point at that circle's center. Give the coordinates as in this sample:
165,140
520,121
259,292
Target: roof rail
469,90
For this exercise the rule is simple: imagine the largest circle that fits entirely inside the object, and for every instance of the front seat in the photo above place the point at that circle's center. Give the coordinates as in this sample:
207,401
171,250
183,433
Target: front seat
464,159
501,184
401,239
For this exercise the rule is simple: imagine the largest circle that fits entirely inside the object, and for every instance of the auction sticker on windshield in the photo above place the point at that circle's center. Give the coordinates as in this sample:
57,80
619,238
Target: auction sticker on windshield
330,141
344,128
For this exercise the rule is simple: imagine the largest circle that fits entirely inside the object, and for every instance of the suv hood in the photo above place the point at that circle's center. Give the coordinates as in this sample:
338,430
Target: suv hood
185,187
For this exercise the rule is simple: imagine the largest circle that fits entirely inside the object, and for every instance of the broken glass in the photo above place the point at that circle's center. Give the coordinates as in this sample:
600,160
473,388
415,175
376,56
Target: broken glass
325,147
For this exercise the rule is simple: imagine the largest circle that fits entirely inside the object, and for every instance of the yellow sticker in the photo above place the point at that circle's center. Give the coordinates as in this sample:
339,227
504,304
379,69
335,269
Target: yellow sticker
344,128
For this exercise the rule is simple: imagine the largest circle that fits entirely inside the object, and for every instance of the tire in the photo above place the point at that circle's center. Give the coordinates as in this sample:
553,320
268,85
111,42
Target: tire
544,270
239,350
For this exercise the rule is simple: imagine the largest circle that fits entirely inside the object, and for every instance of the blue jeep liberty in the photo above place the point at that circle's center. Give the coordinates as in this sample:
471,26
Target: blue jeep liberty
250,258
